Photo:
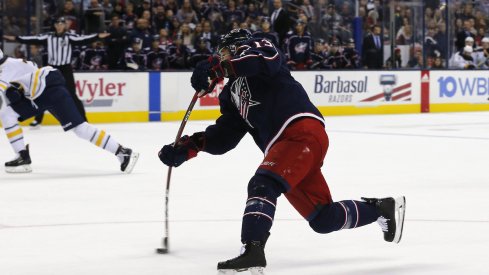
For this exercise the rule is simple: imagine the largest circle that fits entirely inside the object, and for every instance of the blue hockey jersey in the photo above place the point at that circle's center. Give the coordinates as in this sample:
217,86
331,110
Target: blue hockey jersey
262,99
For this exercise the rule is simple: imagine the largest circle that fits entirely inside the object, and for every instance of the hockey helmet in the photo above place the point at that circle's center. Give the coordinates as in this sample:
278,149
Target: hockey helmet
233,40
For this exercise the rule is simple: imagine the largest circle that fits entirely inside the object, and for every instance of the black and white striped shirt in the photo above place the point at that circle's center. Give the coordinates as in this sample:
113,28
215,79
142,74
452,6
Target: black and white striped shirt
59,47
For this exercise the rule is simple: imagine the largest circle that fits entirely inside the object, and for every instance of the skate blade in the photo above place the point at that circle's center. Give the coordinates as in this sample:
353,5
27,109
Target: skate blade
26,168
400,213
132,162
254,271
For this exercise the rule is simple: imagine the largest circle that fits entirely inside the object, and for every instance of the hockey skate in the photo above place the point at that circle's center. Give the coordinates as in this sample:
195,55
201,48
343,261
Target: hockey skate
252,259
22,164
391,218
128,158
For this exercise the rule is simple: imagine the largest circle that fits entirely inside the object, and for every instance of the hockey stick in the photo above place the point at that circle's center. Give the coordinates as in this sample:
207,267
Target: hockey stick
165,245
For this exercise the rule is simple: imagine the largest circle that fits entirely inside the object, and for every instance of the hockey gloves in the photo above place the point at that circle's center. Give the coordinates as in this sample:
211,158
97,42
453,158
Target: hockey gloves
14,93
186,148
200,76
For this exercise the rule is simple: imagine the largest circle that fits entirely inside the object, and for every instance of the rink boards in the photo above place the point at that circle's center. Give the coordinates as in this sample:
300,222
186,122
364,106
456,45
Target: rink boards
164,96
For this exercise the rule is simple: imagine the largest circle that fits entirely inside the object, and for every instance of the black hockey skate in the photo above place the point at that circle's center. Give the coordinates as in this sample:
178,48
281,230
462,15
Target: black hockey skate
252,259
21,164
128,158
391,218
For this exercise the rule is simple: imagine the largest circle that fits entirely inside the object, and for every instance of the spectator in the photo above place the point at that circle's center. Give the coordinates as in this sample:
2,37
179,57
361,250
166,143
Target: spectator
186,14
129,16
335,59
116,43
417,60
463,34
232,14
143,32
37,56
331,24
319,55
60,45
108,8
438,62
441,38
201,53
405,35
135,57
94,17
351,54
94,58
118,10
396,61
298,47
187,36
159,19
463,59
145,6
171,5
178,54
70,14
165,41
280,21
209,35
373,53
266,32
157,57
481,55
212,12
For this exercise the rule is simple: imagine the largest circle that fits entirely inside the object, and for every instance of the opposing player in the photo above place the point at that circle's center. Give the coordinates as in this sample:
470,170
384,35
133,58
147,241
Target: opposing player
26,91
263,99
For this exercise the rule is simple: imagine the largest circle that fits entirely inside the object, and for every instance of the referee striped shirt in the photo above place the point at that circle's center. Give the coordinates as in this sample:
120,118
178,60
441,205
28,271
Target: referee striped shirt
59,47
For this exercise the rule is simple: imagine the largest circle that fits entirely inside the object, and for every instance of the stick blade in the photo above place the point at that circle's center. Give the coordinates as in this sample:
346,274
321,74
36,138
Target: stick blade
162,250
165,249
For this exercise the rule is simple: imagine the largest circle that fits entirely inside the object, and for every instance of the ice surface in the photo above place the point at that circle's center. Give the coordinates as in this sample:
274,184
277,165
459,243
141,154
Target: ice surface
77,214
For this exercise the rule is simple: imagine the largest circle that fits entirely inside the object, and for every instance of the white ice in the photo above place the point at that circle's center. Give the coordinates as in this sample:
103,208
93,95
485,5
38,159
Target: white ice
77,214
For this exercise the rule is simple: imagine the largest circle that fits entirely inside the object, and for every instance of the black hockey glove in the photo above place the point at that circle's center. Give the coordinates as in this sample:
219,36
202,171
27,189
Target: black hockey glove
14,93
200,76
186,148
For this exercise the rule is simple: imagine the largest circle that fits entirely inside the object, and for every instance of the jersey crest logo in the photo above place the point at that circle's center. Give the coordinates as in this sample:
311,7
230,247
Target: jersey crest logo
241,97
300,47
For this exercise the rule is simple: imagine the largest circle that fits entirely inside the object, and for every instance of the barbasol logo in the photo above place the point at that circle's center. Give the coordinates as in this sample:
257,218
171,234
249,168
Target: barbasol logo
463,86
99,93
340,85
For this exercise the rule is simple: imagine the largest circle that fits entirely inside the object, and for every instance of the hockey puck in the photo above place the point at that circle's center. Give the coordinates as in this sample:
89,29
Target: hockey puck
162,250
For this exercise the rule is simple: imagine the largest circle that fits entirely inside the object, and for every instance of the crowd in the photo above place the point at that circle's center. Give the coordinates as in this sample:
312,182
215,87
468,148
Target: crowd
176,34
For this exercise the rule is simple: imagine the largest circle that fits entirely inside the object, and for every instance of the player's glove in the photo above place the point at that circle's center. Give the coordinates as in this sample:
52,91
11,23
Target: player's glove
186,148
14,93
200,76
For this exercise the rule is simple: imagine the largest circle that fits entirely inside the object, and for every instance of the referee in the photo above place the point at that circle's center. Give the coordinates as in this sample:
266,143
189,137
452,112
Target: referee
59,45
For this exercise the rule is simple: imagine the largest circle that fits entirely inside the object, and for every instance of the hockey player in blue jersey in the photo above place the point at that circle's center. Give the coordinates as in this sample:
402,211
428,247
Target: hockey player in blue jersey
263,99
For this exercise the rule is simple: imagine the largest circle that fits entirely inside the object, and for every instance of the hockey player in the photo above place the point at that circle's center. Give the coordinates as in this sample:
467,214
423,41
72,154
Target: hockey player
26,91
263,99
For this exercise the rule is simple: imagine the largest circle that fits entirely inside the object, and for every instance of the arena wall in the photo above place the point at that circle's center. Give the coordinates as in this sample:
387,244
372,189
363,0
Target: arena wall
164,96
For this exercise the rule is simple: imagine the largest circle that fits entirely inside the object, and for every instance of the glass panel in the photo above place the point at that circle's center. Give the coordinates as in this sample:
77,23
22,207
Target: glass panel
403,30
